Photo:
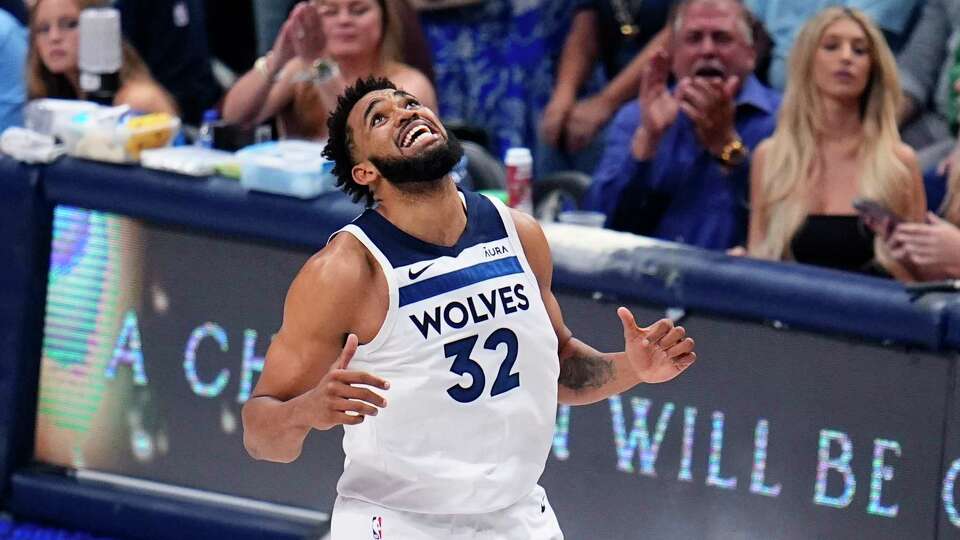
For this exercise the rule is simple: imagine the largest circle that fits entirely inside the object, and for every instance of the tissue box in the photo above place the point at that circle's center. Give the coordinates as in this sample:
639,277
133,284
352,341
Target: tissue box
54,116
294,168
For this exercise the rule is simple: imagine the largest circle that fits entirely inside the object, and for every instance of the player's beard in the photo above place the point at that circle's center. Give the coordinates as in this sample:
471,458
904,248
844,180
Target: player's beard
421,173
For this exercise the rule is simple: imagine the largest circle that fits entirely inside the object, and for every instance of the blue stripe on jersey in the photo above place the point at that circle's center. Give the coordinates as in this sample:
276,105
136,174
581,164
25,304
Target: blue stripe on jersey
483,225
444,283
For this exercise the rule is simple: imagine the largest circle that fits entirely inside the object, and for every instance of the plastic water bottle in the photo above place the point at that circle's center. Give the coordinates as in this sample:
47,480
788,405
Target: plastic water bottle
205,137
519,162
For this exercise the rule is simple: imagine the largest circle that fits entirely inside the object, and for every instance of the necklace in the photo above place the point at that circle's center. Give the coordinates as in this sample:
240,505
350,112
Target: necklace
624,15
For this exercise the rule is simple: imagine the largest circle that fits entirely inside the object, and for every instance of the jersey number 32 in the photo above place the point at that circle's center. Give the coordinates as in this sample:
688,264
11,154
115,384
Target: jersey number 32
460,351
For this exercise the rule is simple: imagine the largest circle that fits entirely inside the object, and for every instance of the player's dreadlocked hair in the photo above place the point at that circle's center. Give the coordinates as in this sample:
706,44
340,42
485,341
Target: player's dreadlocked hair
340,142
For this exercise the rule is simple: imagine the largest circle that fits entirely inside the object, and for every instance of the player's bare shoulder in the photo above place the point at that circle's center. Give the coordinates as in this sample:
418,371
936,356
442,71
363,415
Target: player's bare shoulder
342,269
341,285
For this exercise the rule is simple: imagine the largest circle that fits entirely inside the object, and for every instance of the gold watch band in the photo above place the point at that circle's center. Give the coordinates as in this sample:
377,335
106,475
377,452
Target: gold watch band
734,153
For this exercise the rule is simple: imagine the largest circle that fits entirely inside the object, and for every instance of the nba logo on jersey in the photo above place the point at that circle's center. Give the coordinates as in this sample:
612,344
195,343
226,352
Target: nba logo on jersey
377,528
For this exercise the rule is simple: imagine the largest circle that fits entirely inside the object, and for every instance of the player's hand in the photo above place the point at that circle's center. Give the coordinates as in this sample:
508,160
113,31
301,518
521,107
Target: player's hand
340,396
659,352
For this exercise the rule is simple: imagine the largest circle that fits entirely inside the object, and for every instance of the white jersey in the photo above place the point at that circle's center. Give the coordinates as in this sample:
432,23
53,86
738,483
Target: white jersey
471,357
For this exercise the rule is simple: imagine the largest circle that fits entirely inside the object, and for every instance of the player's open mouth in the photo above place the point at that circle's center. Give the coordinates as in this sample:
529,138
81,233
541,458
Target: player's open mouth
417,131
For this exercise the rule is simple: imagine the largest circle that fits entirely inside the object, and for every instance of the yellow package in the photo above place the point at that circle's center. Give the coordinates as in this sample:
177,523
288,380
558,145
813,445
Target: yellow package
149,131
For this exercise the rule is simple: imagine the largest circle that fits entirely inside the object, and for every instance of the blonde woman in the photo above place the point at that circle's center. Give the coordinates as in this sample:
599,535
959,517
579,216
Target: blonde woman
52,62
323,46
836,140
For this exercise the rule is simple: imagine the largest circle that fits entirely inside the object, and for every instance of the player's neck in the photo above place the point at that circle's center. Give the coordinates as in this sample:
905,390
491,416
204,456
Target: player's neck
437,217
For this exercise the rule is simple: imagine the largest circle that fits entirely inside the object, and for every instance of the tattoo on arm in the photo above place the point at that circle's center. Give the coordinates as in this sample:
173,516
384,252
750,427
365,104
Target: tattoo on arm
579,371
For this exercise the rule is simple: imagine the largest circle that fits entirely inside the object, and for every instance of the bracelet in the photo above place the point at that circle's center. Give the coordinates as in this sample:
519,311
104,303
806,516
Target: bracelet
320,72
261,66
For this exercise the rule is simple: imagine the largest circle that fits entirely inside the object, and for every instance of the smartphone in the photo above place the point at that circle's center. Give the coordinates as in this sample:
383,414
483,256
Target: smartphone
869,208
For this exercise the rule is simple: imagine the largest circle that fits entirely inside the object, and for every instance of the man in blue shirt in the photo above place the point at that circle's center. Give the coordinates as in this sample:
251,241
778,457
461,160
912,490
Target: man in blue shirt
676,164
13,55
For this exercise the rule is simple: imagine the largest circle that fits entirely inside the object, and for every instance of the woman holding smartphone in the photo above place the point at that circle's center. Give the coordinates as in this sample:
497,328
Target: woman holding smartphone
836,141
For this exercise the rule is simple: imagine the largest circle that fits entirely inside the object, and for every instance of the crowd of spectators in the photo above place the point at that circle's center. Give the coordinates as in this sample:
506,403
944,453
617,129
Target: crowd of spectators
672,107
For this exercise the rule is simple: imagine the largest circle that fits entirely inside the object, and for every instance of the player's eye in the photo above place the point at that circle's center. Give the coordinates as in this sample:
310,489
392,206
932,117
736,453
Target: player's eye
377,120
412,104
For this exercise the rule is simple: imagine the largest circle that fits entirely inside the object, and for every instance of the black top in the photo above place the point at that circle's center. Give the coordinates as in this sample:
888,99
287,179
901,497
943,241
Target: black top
835,241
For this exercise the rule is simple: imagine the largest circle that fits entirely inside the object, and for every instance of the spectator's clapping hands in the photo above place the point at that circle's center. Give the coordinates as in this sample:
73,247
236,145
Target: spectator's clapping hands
658,107
710,105
934,245
301,35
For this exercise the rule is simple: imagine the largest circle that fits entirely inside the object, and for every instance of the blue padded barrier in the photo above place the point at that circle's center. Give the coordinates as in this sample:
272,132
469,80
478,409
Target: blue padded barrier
125,513
951,332
24,250
818,299
618,264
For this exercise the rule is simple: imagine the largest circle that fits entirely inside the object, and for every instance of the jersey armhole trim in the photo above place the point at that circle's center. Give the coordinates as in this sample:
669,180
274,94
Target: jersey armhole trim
514,236
394,296
511,229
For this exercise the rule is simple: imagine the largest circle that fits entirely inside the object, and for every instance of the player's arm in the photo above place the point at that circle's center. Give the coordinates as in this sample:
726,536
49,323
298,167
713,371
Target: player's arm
653,354
305,383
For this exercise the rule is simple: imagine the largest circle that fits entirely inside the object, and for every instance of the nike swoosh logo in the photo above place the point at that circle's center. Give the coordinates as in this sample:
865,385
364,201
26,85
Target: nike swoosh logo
414,275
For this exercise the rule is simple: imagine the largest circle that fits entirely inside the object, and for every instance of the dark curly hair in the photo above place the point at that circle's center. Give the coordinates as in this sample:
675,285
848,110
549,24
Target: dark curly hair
339,147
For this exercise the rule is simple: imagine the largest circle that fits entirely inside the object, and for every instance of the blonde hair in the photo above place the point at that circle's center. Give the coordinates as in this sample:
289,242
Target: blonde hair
42,83
793,148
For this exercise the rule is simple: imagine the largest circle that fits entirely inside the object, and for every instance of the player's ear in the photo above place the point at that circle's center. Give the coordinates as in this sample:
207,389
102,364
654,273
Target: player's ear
365,173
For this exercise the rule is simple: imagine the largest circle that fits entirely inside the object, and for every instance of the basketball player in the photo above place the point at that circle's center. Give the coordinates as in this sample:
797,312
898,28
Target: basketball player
428,330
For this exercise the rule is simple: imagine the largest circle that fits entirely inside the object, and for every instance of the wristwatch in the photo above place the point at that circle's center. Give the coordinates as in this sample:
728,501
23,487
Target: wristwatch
734,153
